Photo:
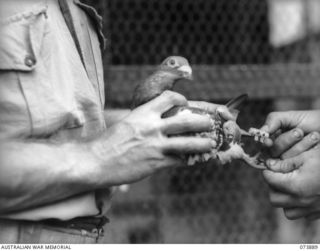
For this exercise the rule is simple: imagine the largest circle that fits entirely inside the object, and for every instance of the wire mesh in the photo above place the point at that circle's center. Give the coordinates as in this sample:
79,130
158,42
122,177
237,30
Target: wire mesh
229,45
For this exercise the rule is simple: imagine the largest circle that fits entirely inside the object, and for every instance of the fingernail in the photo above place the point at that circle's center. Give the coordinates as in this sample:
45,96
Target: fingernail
213,144
315,136
220,109
297,133
271,162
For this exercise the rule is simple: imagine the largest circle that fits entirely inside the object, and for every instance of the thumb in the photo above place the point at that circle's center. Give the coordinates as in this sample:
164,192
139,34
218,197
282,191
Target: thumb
285,166
279,120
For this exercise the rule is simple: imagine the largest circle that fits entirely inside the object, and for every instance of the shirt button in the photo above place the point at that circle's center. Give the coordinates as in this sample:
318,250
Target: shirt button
29,61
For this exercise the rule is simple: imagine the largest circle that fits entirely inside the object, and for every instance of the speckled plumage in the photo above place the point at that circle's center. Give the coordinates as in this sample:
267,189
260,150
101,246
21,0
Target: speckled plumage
226,134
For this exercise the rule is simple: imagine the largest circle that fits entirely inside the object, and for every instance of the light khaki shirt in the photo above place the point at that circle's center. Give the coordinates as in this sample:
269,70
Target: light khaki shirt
47,91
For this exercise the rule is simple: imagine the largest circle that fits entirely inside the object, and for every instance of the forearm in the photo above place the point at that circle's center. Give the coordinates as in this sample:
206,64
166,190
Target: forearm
38,173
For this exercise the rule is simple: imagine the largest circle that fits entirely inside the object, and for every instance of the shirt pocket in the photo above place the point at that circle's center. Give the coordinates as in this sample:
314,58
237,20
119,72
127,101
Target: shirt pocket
21,53
21,37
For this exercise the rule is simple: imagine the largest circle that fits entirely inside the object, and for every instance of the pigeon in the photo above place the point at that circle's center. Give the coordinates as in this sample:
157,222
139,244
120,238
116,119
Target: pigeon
171,70
225,133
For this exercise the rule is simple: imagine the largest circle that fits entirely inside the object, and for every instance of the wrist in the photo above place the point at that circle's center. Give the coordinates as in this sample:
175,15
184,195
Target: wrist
86,167
104,160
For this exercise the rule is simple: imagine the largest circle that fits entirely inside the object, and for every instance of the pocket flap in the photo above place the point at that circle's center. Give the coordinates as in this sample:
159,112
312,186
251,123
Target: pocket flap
21,39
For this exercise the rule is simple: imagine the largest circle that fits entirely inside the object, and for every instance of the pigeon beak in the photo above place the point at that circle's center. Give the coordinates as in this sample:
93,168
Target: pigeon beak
186,71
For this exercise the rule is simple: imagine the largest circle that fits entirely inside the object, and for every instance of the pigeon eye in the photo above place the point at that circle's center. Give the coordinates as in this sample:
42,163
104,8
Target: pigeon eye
172,63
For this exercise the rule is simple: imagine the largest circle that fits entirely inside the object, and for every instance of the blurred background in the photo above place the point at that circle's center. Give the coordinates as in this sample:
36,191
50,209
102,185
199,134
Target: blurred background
269,49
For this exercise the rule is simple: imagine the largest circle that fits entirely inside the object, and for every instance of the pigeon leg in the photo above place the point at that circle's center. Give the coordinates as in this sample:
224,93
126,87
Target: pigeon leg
258,135
254,161
234,152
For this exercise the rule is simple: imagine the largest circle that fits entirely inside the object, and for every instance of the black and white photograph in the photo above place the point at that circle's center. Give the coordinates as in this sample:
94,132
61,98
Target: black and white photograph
159,122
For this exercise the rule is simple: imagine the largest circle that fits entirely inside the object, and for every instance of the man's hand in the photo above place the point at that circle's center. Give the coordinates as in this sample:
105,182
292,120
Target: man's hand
295,184
295,174
292,125
139,145
212,108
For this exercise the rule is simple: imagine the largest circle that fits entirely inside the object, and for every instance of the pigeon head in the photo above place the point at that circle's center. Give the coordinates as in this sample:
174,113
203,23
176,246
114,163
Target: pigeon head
171,70
178,66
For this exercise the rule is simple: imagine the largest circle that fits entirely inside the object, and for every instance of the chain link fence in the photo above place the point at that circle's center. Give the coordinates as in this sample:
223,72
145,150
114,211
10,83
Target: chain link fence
266,48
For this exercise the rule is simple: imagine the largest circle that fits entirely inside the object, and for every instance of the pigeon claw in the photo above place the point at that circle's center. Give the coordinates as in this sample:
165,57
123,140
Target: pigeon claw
257,161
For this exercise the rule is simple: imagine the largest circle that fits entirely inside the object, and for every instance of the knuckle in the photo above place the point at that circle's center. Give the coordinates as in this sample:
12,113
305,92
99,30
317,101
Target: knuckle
167,93
159,143
272,116
221,109
175,97
164,125
281,166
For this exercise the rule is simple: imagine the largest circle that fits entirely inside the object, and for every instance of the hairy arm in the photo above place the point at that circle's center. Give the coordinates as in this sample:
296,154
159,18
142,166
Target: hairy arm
35,173
38,172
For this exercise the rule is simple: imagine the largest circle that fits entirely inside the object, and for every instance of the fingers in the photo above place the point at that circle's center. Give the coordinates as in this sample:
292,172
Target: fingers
285,141
186,123
268,142
285,166
285,200
279,199
305,144
279,120
295,207
283,182
313,216
188,145
298,212
282,174
210,107
166,101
